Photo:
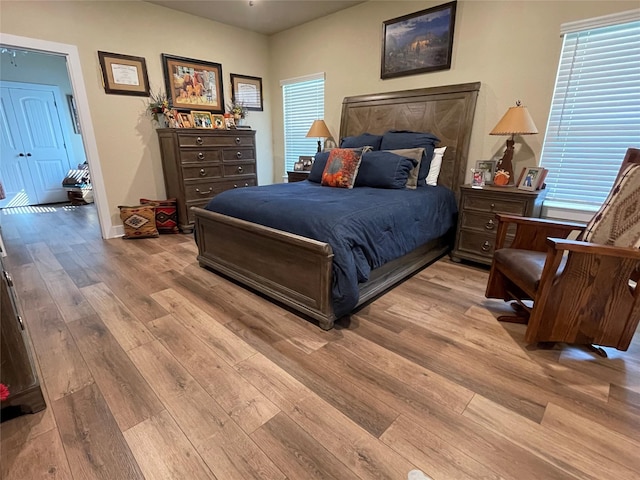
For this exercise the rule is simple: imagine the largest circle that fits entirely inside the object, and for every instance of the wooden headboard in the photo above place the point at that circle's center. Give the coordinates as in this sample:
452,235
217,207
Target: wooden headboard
447,112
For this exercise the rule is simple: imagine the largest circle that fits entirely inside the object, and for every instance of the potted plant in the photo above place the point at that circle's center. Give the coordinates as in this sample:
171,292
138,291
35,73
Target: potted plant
158,104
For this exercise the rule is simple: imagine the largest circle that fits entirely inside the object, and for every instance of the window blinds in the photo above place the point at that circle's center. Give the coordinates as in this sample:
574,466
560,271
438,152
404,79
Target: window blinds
303,102
595,113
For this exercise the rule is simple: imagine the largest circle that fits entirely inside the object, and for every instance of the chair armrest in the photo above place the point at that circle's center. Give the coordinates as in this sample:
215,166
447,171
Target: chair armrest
593,248
531,233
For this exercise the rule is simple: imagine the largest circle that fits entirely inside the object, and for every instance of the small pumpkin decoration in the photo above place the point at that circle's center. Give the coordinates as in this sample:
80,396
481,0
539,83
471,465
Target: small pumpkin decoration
501,178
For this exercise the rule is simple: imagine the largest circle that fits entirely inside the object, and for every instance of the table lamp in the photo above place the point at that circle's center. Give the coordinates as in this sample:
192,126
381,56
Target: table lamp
516,121
319,129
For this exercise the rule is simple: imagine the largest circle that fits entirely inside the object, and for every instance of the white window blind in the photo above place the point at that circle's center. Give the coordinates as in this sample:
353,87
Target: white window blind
595,114
303,102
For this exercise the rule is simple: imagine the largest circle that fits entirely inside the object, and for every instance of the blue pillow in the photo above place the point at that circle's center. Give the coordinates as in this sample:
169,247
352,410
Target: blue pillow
366,139
399,139
315,175
384,170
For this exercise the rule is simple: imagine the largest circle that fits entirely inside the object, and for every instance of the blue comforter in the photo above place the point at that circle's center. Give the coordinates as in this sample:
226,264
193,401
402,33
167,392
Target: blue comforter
366,227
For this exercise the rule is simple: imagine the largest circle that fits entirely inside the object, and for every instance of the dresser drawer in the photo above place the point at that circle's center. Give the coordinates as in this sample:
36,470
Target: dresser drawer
475,243
202,171
239,169
207,189
193,155
207,140
238,154
493,205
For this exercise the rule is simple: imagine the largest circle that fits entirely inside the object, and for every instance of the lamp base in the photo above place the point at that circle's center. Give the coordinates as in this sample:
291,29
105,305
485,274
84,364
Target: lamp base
319,146
505,162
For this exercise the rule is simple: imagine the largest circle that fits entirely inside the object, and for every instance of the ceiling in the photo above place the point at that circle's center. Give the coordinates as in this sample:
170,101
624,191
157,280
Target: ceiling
262,16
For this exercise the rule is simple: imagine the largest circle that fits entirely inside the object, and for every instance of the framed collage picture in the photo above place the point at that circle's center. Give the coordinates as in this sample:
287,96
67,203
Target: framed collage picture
193,84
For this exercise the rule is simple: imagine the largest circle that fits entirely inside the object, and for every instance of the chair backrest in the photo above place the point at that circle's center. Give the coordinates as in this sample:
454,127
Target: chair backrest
618,220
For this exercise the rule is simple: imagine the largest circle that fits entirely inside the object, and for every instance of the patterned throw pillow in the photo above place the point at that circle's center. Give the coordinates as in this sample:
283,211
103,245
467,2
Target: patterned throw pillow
166,214
139,222
342,168
617,222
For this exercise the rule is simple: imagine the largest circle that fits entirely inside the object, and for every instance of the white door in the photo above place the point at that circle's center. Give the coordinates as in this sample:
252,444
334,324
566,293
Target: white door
36,160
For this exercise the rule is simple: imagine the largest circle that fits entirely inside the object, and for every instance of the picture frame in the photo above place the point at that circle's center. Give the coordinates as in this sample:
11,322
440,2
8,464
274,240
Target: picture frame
73,110
193,83
298,166
201,119
247,91
307,162
229,122
185,120
489,169
124,74
530,178
218,122
419,42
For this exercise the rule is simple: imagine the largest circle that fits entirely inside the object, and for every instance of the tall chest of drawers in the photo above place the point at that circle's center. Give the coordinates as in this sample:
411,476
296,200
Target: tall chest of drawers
477,224
199,163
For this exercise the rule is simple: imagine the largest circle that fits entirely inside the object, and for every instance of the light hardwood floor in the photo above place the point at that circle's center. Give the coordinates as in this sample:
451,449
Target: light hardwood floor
156,368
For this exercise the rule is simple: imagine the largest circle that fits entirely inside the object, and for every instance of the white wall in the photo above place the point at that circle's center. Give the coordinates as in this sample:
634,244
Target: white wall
512,47
127,144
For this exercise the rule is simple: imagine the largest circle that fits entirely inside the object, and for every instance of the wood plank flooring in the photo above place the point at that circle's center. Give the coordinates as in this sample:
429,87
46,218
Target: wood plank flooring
155,368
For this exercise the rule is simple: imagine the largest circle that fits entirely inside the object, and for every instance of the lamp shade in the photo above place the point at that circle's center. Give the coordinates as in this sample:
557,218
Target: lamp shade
516,121
319,130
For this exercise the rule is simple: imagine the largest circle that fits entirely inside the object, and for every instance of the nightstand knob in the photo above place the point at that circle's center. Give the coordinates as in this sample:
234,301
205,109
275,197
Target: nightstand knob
239,154
235,186
199,140
493,206
201,155
489,225
246,184
486,246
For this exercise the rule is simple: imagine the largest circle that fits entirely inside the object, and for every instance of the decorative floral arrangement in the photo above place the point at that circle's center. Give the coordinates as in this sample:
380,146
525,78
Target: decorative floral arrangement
237,109
4,392
158,103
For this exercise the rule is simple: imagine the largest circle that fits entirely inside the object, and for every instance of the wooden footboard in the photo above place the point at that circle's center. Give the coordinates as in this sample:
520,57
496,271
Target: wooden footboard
291,269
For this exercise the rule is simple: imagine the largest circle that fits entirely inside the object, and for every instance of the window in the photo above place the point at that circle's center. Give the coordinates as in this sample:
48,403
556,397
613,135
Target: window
303,102
595,112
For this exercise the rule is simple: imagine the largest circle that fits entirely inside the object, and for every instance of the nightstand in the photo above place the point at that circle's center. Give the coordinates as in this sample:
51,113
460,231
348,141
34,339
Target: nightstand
297,176
476,230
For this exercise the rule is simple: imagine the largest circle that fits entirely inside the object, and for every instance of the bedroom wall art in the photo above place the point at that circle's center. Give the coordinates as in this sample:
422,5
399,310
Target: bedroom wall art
193,83
124,74
419,42
247,91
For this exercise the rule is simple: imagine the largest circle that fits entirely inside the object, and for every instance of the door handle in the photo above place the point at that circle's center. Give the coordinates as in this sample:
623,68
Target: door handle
28,154
21,154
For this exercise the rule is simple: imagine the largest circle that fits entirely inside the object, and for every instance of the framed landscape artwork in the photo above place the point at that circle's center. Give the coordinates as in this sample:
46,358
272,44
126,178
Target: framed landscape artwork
419,42
193,84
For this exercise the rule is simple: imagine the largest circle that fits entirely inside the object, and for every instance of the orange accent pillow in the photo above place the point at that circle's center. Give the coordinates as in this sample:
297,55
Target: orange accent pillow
342,168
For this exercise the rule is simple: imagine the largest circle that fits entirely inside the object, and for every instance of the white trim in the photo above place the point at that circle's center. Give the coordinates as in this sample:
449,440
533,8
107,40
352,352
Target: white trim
304,78
88,136
597,22
563,211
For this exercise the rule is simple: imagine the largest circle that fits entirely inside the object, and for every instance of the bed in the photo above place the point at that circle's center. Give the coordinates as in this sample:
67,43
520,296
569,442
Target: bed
299,271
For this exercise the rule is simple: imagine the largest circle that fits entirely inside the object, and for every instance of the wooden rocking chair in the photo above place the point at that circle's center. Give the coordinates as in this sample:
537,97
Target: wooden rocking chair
582,292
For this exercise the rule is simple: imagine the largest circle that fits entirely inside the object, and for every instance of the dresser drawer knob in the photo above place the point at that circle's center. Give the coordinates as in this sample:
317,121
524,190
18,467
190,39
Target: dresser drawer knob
201,155
240,169
202,172
204,193
199,140
489,225
246,184
239,154
235,186
238,140
492,206
486,246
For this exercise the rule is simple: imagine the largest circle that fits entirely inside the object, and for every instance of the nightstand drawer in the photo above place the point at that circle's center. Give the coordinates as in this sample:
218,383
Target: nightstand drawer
483,222
480,244
493,204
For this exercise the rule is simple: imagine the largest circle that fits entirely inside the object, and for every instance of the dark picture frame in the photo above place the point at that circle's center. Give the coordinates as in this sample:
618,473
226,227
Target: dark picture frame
247,91
193,84
124,74
419,42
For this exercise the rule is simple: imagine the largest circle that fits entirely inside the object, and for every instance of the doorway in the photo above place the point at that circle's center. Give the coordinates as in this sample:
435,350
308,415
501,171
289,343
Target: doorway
75,77
34,157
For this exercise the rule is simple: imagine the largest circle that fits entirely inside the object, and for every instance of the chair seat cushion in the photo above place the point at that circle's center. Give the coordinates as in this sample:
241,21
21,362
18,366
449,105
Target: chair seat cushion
524,267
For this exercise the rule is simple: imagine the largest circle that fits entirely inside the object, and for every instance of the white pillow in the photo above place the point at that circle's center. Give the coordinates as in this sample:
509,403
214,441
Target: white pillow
434,168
